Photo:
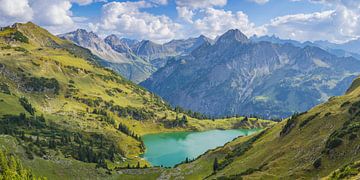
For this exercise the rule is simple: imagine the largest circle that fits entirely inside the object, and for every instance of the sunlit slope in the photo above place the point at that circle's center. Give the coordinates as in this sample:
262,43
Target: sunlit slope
311,144
59,103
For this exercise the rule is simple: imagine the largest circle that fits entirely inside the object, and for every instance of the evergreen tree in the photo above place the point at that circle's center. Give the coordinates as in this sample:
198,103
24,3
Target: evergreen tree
111,153
215,165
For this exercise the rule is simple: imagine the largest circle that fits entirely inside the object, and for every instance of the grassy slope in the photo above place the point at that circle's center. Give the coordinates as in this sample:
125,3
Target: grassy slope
47,56
292,155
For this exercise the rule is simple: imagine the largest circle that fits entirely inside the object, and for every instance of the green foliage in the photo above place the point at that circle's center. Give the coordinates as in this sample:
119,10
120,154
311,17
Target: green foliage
179,122
306,121
123,128
19,37
135,113
190,113
11,168
290,123
42,84
4,88
346,172
13,34
20,49
333,143
244,173
317,163
113,92
345,104
37,137
350,128
215,165
239,150
27,105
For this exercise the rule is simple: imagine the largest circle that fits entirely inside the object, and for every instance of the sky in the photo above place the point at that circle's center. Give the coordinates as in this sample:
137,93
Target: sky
163,20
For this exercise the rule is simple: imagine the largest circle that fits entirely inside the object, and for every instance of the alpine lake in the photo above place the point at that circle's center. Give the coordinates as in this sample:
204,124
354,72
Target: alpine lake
169,149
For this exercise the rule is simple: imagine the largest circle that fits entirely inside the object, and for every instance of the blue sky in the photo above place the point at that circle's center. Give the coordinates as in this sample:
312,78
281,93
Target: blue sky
258,13
163,20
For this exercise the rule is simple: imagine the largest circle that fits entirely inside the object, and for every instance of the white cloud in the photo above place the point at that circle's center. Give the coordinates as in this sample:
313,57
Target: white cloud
339,22
50,13
302,26
82,2
126,18
185,13
55,15
86,2
337,25
216,21
196,4
260,1
160,2
14,10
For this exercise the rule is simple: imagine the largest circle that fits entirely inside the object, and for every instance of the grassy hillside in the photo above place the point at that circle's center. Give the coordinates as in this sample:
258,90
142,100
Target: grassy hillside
59,105
11,167
321,143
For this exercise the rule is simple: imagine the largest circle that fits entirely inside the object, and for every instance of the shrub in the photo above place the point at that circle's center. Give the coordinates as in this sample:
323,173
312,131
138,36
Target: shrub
352,136
333,143
317,163
4,88
27,106
42,84
302,124
18,36
290,123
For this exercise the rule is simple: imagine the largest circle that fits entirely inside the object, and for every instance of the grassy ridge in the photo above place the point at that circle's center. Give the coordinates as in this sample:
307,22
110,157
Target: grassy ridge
312,144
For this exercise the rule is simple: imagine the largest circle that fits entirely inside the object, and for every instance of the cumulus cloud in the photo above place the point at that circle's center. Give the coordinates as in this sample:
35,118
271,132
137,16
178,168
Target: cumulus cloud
86,2
216,21
185,13
15,10
82,2
339,22
126,18
50,13
55,15
200,3
260,1
337,25
160,2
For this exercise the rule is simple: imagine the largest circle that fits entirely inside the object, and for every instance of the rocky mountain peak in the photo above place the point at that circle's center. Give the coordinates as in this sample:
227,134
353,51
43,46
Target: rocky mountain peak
116,44
233,35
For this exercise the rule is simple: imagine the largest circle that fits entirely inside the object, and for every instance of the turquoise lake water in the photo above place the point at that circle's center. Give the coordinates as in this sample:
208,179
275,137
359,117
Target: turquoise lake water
169,149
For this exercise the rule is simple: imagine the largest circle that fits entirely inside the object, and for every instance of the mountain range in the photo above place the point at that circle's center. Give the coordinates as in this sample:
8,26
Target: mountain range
64,116
135,60
237,75
350,48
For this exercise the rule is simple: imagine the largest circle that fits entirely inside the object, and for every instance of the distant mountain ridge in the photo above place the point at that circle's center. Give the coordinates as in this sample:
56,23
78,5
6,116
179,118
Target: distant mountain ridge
136,60
351,48
236,75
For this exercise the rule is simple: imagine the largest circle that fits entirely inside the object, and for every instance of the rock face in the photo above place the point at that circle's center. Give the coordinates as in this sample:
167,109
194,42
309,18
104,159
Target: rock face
238,76
118,57
97,46
136,60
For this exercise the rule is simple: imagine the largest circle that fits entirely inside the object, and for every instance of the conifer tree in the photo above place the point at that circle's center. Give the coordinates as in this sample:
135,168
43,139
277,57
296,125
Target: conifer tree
216,165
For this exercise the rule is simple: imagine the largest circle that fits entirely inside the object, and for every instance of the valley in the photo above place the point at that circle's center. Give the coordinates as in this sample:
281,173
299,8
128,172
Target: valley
179,89
62,114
